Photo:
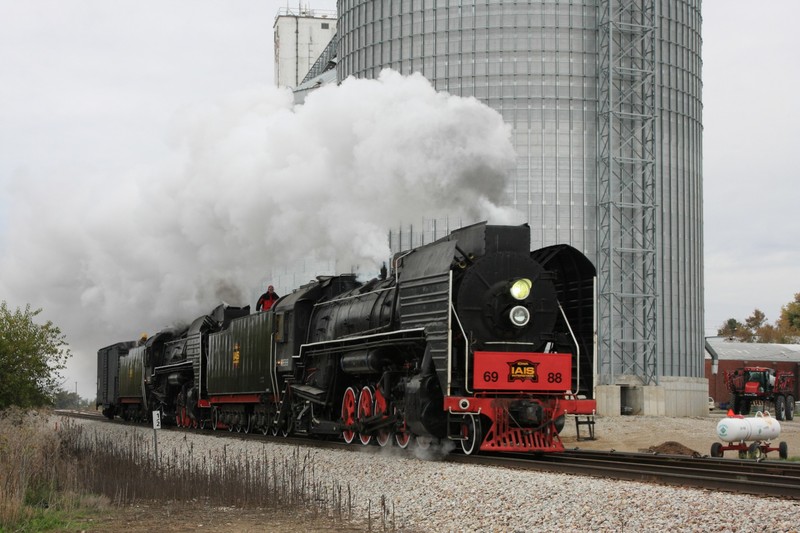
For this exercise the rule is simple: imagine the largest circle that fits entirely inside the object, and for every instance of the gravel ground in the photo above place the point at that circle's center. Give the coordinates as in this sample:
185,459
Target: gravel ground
429,495
640,433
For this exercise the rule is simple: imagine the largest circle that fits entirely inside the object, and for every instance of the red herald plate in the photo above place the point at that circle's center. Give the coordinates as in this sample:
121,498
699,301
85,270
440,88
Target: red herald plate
522,371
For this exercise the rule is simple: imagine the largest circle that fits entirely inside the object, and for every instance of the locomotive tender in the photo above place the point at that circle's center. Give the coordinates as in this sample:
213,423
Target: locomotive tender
471,338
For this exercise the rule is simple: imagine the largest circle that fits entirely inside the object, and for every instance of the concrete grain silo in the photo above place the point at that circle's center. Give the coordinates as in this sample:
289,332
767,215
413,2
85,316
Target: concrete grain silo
604,98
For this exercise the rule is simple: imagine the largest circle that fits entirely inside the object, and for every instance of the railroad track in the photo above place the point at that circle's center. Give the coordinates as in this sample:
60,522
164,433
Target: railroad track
762,478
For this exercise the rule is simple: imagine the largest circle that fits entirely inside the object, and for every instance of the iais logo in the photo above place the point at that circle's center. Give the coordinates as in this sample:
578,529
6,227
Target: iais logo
523,369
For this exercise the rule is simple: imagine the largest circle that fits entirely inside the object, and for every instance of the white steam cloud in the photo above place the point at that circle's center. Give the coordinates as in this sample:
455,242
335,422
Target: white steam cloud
254,183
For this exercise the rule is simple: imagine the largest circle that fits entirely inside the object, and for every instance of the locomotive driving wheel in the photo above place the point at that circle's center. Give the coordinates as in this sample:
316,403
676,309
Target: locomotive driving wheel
349,414
287,427
402,437
471,434
383,436
365,402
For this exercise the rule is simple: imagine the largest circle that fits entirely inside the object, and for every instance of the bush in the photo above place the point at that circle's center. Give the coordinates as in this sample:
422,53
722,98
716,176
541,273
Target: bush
51,471
27,455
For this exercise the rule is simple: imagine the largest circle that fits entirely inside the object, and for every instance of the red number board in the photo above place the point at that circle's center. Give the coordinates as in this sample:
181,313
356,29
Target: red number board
522,371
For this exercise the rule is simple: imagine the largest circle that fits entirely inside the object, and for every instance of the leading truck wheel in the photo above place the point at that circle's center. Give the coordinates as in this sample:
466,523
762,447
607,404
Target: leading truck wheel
470,434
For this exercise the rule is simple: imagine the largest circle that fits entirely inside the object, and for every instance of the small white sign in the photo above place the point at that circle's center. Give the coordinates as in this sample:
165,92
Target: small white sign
156,419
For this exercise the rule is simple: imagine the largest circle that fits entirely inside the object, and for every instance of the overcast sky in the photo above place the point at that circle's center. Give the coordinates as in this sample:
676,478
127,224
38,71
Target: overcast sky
131,104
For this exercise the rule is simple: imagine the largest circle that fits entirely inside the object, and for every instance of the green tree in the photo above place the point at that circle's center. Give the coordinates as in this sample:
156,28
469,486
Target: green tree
731,328
31,357
67,400
756,320
789,322
754,326
786,329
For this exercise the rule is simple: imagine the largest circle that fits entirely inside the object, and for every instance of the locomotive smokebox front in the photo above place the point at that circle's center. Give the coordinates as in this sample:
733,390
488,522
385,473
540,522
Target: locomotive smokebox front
508,296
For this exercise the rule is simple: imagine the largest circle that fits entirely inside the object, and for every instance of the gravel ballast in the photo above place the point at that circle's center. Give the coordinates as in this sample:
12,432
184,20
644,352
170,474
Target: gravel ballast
430,495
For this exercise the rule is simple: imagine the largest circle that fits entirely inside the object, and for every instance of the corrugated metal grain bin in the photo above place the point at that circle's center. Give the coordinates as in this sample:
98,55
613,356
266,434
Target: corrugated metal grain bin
240,358
131,373
107,371
546,68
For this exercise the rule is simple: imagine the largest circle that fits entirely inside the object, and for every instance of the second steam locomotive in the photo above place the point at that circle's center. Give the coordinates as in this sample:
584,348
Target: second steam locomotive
471,338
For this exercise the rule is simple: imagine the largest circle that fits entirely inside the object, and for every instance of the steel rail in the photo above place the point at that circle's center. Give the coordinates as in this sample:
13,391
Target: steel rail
762,478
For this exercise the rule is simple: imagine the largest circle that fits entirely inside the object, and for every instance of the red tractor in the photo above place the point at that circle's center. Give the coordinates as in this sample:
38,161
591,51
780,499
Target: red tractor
755,385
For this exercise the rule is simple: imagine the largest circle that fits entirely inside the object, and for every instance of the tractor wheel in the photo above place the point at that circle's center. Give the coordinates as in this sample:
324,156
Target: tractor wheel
780,408
783,450
790,407
716,450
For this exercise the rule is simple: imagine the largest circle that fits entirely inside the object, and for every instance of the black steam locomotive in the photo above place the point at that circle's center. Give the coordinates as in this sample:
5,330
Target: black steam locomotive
471,338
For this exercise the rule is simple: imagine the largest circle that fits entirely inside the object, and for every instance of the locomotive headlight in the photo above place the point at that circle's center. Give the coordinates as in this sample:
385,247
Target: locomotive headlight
521,289
519,316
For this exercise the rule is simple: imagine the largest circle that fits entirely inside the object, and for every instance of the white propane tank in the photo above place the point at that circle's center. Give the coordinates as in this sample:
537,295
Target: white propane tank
740,429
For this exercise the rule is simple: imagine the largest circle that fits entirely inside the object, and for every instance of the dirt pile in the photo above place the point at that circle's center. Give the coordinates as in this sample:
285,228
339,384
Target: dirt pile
671,448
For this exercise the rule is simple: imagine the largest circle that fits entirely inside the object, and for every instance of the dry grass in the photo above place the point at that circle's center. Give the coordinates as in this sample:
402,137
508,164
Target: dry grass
49,477
36,482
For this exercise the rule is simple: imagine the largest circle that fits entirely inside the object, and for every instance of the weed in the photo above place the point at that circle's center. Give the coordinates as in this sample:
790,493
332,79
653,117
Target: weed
48,478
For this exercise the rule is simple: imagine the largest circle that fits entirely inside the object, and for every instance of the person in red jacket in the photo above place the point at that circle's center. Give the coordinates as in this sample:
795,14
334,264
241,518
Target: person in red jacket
267,299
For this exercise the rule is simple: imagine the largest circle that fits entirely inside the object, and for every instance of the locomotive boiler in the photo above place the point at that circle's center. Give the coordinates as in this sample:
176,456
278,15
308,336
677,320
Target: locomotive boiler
472,338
